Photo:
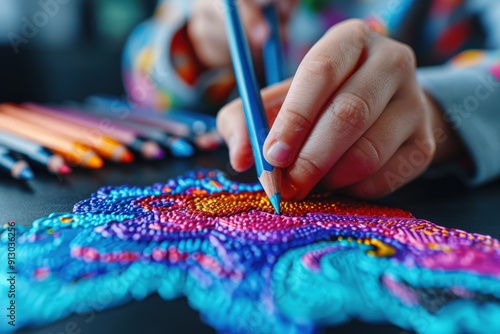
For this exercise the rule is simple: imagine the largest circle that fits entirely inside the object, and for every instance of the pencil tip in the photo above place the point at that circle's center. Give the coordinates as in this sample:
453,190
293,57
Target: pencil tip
26,174
127,156
94,162
151,150
56,165
276,201
22,171
181,148
64,169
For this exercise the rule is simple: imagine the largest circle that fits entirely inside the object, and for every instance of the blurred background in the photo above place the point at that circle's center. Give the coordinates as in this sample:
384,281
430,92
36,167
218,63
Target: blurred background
57,50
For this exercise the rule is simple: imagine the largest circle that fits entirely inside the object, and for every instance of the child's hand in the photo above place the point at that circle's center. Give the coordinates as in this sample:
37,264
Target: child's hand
207,31
353,118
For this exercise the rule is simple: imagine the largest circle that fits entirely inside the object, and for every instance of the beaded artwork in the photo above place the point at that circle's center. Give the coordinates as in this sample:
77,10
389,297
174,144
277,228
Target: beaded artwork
324,261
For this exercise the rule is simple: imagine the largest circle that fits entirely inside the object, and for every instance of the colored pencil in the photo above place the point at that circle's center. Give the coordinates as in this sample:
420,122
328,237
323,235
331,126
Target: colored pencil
181,123
32,150
273,48
258,128
149,149
200,123
17,168
73,152
121,109
103,145
209,141
179,147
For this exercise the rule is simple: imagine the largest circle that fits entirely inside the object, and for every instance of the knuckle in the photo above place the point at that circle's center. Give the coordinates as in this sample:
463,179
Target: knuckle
405,58
320,66
308,166
360,31
295,120
367,156
351,111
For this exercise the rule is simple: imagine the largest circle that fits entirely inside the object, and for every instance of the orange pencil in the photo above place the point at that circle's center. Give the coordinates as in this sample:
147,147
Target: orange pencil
74,152
105,146
127,136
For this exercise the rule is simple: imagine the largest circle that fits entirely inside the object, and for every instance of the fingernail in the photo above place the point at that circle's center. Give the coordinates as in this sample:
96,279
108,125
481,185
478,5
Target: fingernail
259,33
278,153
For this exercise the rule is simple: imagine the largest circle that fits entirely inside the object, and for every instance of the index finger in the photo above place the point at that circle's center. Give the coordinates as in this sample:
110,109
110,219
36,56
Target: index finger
325,67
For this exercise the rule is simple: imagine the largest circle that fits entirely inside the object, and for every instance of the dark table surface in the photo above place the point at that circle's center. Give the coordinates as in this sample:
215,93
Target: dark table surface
445,202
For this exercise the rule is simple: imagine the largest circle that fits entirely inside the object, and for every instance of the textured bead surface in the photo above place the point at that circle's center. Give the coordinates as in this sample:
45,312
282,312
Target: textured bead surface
219,243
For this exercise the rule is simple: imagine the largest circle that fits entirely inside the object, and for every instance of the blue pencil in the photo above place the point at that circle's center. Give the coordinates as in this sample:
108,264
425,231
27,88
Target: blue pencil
18,169
273,48
255,115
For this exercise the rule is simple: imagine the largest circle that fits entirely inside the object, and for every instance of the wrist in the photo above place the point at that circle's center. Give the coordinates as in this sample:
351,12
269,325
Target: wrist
449,146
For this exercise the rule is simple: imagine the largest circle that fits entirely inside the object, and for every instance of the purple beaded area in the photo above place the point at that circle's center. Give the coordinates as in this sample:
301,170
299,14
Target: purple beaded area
323,261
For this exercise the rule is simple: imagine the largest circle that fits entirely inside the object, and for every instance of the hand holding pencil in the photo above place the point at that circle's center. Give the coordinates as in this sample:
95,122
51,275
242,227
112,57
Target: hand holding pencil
352,114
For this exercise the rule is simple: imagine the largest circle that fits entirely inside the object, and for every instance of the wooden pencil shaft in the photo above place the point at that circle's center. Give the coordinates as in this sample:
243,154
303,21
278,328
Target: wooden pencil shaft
271,182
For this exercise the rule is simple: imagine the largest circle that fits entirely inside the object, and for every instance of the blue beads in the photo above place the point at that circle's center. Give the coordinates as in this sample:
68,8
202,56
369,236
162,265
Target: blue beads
324,260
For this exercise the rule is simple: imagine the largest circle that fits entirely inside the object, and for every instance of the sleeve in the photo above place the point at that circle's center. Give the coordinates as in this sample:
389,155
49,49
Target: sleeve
468,90
161,70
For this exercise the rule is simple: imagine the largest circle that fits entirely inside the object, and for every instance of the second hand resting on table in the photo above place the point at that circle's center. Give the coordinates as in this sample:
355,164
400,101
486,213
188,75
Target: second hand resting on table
348,120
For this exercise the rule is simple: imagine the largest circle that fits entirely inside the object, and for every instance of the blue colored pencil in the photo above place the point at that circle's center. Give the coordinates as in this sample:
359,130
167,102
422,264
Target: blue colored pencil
258,128
273,48
18,169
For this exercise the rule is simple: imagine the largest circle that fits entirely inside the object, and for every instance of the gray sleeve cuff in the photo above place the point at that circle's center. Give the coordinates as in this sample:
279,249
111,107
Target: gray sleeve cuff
470,99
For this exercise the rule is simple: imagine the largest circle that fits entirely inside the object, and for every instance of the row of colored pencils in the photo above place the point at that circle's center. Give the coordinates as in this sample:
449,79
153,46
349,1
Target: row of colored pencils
61,138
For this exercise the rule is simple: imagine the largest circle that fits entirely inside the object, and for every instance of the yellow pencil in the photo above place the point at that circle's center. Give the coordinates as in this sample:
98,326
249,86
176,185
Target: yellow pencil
105,146
73,152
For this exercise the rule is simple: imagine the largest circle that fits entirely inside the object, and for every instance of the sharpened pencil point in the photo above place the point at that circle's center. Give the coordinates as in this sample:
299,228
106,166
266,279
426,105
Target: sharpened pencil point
26,174
94,162
151,150
181,148
127,157
276,201
64,169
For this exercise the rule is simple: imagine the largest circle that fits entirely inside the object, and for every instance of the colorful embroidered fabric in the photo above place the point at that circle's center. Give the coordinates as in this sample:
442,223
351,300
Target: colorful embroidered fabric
323,261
